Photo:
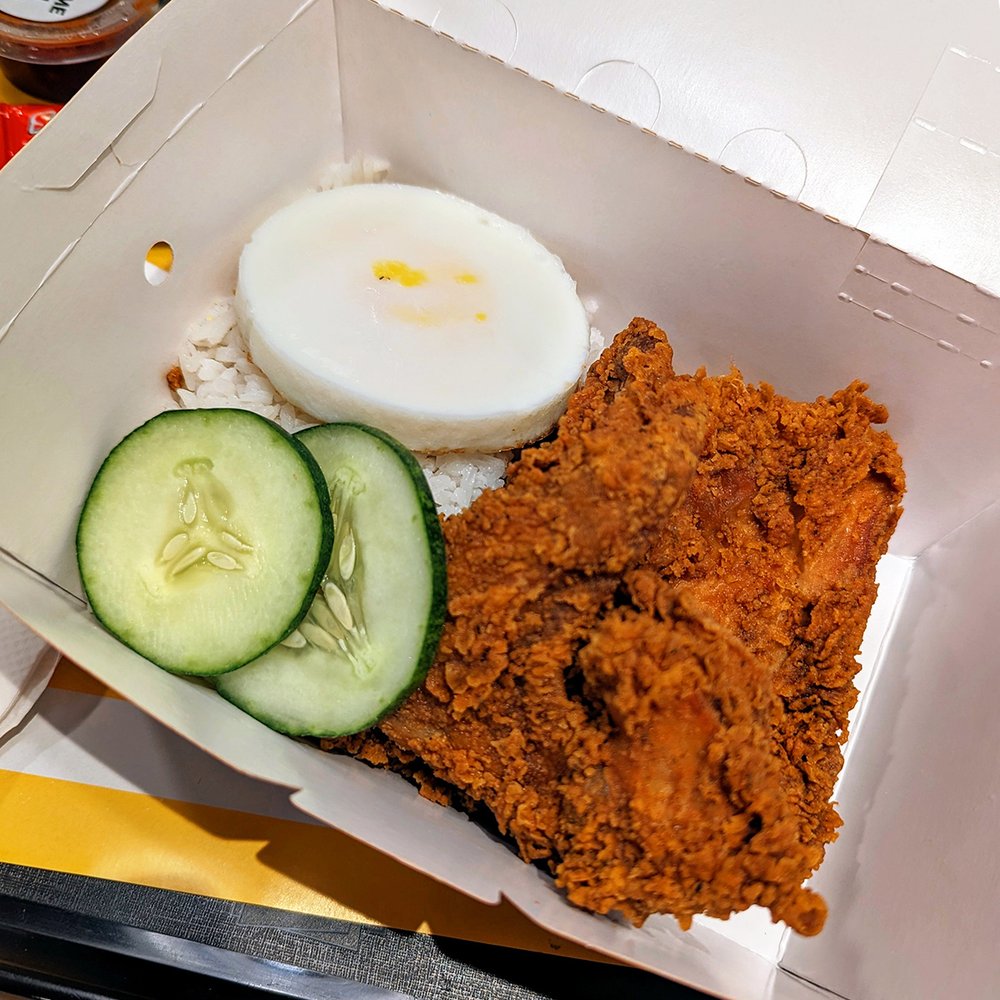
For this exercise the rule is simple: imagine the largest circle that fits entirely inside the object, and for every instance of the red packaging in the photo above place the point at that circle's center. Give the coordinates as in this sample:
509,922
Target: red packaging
19,122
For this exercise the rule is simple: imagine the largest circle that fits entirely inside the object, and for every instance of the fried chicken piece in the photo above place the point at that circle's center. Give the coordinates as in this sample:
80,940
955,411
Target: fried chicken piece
530,569
647,685
791,508
525,709
777,541
679,807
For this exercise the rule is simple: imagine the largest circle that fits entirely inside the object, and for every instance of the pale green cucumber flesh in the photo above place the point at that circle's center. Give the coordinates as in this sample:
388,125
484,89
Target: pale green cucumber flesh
375,624
203,538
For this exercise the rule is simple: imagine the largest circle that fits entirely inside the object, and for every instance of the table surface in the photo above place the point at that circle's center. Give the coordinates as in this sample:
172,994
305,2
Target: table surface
109,815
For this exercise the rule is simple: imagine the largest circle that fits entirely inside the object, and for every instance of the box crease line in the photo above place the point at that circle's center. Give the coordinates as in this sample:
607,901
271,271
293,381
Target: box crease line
821,990
909,292
984,364
109,147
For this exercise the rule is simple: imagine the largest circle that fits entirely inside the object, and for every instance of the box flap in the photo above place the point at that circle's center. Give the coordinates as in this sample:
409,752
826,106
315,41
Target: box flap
822,103
219,58
912,880
107,108
133,105
939,196
79,302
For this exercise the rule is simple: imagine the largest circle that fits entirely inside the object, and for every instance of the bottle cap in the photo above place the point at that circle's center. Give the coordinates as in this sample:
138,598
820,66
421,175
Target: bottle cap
50,10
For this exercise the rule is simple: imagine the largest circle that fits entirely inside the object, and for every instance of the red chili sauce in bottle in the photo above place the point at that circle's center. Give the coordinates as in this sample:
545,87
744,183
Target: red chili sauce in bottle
50,48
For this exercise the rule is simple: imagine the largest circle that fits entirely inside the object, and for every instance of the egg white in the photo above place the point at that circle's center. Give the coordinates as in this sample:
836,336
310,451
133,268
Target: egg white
414,311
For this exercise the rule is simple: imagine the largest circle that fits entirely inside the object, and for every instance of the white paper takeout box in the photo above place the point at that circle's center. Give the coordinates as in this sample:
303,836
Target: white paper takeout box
216,115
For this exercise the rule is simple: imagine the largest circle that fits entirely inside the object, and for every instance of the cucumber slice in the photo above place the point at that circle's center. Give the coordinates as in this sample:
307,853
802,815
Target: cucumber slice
374,626
203,538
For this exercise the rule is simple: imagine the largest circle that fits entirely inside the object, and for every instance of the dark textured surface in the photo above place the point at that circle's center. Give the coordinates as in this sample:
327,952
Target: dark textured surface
53,952
425,967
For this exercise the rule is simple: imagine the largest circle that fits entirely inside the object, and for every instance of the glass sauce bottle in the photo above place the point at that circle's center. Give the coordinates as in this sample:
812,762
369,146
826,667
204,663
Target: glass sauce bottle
50,48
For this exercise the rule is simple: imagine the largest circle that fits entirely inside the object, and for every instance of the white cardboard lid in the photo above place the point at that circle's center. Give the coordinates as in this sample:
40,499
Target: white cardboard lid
883,115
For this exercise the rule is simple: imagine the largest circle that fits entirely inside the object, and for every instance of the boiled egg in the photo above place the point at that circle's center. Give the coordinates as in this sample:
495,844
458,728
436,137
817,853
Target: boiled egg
414,311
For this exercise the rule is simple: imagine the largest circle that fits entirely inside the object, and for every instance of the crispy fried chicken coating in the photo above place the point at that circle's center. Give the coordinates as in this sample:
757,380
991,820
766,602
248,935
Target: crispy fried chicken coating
647,665
791,508
675,804
532,570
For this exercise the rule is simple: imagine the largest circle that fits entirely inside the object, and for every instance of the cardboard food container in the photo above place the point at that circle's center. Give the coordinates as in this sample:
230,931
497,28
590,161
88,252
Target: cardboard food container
218,114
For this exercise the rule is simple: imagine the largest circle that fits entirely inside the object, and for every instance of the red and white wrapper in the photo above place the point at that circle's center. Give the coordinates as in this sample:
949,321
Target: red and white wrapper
19,123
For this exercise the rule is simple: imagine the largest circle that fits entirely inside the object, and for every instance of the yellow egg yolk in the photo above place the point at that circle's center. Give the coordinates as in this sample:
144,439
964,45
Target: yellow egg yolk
396,270
411,277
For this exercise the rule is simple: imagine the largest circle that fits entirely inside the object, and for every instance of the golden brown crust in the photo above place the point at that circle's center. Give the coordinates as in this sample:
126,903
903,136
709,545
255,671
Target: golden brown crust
530,569
791,508
647,666
175,378
679,808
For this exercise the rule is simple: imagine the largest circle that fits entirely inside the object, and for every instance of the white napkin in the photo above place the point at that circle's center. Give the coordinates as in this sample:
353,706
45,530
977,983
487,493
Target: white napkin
26,664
